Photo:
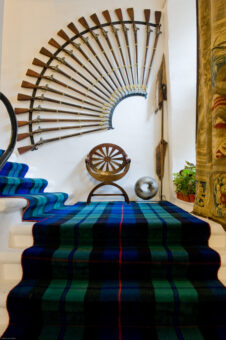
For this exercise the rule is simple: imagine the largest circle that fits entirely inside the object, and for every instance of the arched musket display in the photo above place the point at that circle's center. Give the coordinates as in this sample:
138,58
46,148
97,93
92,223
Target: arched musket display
94,70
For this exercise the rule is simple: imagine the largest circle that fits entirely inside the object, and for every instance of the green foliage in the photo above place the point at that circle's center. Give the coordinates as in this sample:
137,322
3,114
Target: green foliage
185,179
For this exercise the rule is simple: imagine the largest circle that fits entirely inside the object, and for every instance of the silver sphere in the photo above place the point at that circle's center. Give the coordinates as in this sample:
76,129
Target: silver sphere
146,187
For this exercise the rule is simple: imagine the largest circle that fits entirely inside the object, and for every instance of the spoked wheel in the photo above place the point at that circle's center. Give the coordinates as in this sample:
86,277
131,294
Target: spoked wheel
107,158
107,163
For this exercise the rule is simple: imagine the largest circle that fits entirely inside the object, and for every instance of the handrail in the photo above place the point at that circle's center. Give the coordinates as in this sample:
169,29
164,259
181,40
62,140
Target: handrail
4,157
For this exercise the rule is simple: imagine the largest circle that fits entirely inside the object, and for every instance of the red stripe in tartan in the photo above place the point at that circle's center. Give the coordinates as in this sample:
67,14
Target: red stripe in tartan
120,281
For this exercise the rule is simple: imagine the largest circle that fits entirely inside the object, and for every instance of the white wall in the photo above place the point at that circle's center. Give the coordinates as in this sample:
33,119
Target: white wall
182,56
29,24
136,127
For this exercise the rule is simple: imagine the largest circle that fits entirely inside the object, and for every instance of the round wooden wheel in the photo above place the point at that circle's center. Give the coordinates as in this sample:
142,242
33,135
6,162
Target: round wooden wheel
107,158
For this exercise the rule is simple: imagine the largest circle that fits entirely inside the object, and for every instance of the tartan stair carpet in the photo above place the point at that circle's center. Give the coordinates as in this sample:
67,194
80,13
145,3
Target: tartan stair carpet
112,271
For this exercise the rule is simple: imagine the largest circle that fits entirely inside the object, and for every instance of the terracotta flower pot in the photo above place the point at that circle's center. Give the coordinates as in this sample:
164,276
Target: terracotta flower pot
179,195
192,197
186,198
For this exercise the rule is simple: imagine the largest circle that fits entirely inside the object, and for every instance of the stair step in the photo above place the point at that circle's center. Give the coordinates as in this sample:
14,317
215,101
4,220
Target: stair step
218,235
20,236
5,287
217,241
222,271
3,324
222,275
10,265
8,205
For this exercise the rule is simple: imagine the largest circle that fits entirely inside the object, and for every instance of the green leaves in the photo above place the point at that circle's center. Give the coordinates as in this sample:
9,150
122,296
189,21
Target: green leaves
185,180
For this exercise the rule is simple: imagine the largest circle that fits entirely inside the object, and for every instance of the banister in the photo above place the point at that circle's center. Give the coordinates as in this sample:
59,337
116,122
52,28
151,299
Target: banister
4,157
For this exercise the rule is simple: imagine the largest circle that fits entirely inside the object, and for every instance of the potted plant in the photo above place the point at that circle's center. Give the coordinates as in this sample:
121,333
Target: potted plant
185,182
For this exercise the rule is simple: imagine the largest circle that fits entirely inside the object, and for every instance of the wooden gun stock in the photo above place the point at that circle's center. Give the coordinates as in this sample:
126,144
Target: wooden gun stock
95,19
63,35
22,123
22,96
130,12
147,14
24,149
54,43
22,136
107,16
118,12
19,111
46,52
38,62
83,22
27,85
33,74
158,17
73,28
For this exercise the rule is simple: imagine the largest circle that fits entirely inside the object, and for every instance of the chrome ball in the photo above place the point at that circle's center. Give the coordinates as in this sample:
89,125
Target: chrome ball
146,187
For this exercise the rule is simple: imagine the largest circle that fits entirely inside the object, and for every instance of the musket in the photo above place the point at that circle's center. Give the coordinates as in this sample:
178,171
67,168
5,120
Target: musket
51,100
27,148
74,29
56,69
50,110
130,12
38,120
125,29
115,30
84,23
95,19
38,62
47,88
64,36
157,33
147,14
22,136
55,44
70,53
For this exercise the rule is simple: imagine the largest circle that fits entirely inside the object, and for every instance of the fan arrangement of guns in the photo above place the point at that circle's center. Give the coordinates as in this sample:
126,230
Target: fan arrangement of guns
83,78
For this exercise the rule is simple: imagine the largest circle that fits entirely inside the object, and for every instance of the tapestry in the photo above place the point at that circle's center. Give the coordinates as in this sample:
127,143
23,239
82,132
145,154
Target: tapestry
211,111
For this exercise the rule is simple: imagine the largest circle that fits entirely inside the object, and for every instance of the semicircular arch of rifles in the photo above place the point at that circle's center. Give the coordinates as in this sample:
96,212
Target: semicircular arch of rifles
82,80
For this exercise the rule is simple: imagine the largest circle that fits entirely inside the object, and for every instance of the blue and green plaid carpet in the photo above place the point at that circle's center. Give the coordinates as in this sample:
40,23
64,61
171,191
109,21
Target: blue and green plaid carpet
112,271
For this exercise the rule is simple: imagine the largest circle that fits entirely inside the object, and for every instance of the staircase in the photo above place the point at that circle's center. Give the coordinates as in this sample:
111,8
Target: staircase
13,183
16,237
17,199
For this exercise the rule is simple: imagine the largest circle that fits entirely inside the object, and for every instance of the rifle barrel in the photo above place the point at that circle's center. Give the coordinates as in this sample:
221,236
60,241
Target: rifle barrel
107,17
51,100
130,12
41,120
22,136
38,62
46,88
124,28
84,23
44,109
96,20
63,35
157,33
27,148
147,14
